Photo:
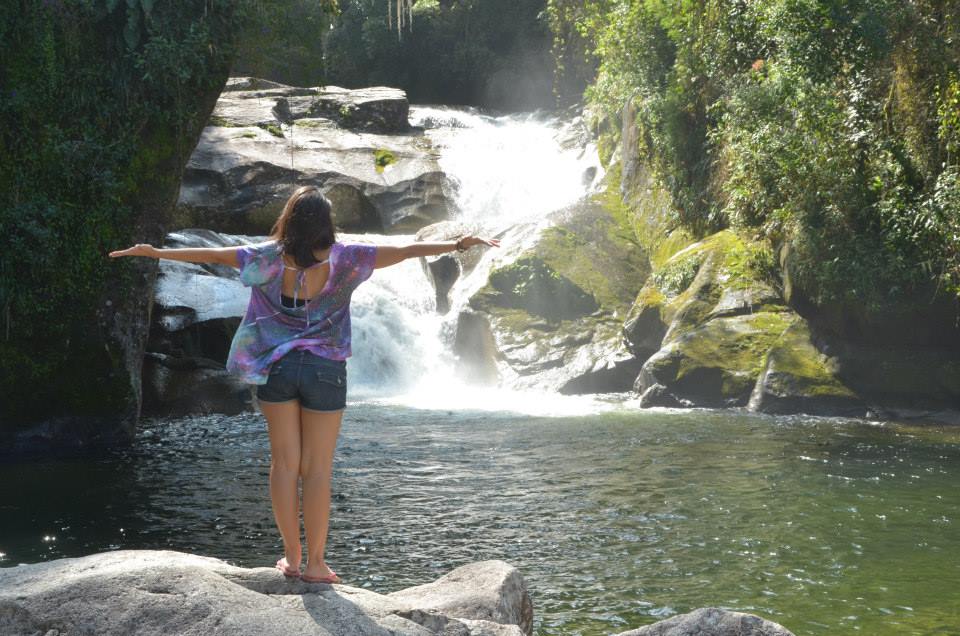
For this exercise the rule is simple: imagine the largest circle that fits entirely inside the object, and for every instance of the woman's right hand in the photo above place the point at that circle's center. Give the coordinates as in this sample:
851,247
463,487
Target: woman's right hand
140,249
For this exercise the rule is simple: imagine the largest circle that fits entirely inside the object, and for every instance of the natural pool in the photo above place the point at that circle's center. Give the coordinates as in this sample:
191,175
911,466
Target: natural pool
616,519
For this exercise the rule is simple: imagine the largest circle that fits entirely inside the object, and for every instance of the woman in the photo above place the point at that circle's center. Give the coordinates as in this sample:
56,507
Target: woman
293,343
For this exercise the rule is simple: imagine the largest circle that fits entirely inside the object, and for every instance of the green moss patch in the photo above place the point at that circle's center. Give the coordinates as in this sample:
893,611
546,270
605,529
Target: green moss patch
222,122
795,367
598,252
383,158
273,129
533,286
718,363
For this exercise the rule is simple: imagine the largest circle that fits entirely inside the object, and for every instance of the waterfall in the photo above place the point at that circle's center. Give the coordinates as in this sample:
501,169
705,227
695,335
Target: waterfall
511,172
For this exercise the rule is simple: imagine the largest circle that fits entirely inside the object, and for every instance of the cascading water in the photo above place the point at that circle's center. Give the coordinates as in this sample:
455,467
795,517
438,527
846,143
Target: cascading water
511,172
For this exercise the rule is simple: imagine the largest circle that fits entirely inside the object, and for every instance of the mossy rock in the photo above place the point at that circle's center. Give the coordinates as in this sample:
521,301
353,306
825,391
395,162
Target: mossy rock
723,275
596,252
645,325
555,311
533,286
799,379
718,363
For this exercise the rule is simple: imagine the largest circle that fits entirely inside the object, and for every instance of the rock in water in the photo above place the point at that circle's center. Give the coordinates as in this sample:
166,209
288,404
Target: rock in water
549,316
488,590
264,140
711,621
159,593
727,338
799,379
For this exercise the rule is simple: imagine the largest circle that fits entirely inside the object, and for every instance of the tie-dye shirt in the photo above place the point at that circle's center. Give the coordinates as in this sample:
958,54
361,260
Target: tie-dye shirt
269,329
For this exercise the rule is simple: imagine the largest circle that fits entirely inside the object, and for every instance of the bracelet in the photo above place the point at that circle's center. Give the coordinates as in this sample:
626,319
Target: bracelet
460,246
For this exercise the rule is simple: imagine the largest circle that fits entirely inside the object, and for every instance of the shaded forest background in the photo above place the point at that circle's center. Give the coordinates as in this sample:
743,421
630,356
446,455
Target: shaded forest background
490,53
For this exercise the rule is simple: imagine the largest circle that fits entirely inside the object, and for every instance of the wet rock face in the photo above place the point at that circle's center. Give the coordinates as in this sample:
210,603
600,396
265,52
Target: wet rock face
197,309
549,317
161,592
264,140
443,271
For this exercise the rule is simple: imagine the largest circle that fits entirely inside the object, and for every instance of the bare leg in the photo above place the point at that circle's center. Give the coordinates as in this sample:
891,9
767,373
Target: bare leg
283,423
319,433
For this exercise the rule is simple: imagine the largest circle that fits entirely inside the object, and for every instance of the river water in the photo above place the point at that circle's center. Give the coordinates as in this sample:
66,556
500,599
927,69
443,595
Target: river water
616,516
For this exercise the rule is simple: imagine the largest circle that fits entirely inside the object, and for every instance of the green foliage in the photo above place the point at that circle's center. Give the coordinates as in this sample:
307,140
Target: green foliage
492,53
575,64
100,103
284,40
830,126
675,276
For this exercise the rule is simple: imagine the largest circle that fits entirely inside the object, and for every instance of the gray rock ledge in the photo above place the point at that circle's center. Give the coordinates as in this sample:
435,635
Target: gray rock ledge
147,593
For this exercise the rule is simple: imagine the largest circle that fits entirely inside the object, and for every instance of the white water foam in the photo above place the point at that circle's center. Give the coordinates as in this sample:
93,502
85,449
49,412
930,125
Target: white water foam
511,172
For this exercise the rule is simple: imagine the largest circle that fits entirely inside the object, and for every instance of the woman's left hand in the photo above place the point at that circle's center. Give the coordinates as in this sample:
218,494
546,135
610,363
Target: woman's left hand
140,249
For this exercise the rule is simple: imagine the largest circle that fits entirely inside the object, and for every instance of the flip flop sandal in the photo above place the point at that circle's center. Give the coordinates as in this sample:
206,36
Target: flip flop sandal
288,571
329,579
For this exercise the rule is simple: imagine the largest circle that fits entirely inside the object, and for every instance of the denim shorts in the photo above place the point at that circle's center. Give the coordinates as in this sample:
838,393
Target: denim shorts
318,383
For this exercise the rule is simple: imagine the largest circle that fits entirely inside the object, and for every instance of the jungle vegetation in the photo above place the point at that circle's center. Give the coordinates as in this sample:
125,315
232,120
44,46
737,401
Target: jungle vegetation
830,128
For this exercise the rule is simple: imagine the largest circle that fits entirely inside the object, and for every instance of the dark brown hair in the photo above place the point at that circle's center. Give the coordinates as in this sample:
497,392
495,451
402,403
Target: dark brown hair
304,226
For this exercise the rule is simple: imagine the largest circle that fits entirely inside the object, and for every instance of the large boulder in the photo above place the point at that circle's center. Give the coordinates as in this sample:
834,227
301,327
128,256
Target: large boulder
549,314
263,143
709,316
712,621
716,364
797,378
160,592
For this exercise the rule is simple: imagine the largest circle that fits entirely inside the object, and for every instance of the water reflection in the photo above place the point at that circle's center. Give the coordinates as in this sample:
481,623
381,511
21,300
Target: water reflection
616,519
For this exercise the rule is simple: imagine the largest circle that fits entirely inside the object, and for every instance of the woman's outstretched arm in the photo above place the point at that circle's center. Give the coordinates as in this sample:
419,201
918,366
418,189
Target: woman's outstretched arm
221,255
392,254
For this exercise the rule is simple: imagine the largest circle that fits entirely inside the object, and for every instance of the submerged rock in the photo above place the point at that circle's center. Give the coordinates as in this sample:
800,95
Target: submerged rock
161,592
711,621
263,143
